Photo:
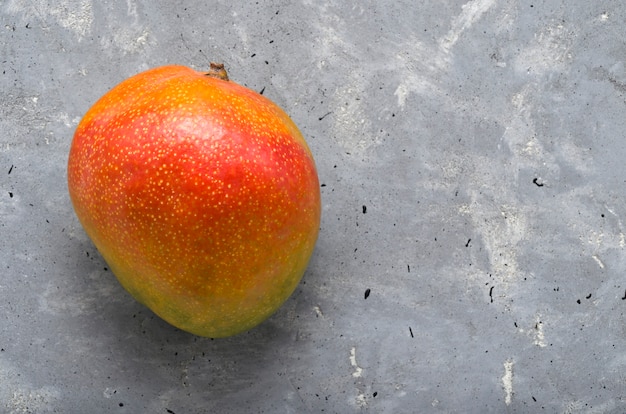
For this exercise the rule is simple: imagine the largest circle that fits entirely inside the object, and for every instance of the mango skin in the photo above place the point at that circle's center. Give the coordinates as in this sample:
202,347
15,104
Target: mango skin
201,195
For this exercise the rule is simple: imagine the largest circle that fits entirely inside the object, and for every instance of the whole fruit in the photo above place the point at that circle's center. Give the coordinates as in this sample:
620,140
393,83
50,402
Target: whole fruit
200,194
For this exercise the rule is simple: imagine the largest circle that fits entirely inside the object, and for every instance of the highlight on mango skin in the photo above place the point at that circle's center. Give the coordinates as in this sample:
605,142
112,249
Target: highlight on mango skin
200,194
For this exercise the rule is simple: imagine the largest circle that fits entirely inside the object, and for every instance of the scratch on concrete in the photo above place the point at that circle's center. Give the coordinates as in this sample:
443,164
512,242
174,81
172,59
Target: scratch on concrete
598,261
318,311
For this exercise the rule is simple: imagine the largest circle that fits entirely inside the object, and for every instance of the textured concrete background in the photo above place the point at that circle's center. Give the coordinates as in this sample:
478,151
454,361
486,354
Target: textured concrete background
471,160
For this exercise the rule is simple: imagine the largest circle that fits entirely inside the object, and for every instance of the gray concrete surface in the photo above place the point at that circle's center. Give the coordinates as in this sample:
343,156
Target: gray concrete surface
471,156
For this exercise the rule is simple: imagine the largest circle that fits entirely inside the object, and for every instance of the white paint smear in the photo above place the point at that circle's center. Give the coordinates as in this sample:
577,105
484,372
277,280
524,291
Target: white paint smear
358,371
74,15
18,397
421,65
360,399
540,339
507,381
472,11
548,52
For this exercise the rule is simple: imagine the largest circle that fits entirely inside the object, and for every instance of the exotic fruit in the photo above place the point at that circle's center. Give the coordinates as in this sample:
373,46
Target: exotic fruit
200,194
